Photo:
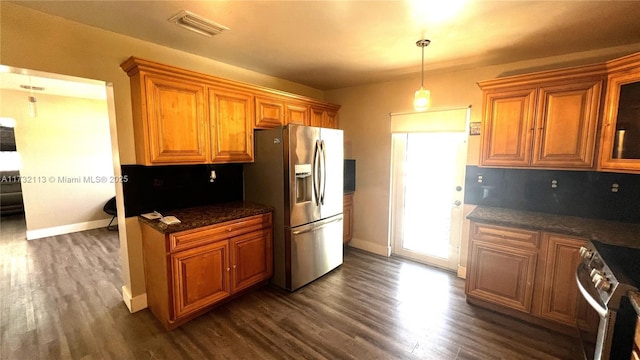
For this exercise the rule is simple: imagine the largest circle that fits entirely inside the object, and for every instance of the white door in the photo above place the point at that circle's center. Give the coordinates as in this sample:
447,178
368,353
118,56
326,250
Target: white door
427,194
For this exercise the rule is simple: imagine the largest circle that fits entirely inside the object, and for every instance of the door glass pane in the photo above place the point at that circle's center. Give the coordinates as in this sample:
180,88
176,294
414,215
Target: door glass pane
627,137
430,180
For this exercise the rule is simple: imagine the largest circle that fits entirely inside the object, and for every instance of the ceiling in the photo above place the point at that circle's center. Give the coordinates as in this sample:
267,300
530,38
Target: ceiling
51,84
336,44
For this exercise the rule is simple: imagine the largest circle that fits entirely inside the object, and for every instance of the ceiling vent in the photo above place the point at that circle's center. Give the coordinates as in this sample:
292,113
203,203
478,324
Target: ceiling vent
196,23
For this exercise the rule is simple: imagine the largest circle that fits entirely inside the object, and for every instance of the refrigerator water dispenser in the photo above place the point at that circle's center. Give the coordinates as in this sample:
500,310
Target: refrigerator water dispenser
303,182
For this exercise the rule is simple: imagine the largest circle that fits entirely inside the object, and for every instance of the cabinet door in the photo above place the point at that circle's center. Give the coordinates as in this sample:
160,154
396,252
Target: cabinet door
251,256
561,301
231,119
269,112
501,275
330,119
566,125
200,277
347,218
176,125
620,150
297,114
507,124
316,116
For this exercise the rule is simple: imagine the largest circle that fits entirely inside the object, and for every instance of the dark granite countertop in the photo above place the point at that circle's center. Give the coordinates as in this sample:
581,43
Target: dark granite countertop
200,216
606,231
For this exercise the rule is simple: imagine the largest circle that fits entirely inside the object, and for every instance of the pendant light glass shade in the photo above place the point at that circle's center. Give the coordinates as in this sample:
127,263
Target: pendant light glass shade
422,98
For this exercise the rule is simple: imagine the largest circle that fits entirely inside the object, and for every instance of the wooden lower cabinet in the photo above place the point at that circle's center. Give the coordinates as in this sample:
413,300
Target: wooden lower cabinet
559,295
528,274
347,218
199,277
503,275
502,266
187,273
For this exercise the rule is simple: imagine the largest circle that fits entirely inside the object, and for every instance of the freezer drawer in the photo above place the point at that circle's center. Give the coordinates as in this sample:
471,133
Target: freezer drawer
315,250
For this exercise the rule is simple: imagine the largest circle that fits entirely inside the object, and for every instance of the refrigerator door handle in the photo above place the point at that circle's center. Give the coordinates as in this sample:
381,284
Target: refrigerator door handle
324,172
316,170
316,227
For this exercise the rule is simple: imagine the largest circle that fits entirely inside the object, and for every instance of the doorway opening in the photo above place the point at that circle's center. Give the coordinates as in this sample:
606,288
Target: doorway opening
428,167
66,142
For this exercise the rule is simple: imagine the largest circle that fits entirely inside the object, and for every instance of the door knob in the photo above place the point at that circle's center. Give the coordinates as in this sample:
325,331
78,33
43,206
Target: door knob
458,188
457,203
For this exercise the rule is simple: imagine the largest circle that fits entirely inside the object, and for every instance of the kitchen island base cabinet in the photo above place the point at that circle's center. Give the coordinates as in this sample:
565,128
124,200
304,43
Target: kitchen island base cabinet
189,272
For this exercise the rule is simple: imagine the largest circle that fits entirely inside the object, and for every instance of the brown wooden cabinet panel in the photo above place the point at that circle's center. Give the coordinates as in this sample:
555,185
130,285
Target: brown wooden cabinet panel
347,218
566,125
231,118
560,294
200,277
173,126
297,114
324,117
507,124
519,238
501,275
189,272
251,256
269,112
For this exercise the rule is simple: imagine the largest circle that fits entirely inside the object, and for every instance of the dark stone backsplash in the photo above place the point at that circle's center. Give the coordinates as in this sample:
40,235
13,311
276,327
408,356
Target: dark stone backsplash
578,193
163,188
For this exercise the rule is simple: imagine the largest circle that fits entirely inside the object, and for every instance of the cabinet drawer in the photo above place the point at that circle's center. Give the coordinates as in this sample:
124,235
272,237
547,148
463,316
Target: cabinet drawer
518,238
197,237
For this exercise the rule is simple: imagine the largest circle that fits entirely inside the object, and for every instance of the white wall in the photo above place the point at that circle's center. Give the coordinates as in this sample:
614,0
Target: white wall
65,151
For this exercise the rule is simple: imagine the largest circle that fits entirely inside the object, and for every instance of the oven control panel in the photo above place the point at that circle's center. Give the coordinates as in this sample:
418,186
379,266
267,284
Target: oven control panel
601,277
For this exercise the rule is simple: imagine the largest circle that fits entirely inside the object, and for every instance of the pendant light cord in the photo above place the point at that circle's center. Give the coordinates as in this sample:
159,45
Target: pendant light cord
422,81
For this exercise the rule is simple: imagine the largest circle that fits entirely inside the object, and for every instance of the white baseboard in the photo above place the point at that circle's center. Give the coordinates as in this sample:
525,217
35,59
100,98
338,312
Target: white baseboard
462,272
66,229
134,303
370,247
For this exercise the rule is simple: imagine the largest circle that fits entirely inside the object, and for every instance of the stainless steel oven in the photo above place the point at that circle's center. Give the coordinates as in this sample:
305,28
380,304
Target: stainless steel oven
605,276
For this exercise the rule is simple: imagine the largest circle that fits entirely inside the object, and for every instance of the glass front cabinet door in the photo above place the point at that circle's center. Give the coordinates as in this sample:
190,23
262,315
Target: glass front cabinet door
620,147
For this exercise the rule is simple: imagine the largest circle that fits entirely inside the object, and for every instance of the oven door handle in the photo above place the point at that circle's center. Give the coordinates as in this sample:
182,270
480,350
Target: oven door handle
584,284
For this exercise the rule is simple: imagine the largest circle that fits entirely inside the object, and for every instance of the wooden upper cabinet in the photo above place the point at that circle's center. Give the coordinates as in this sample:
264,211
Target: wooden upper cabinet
543,120
297,113
566,125
231,119
171,128
507,123
324,117
272,112
620,141
269,112
185,117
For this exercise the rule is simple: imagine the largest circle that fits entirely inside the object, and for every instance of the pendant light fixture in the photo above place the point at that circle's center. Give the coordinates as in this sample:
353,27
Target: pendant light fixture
422,99
32,100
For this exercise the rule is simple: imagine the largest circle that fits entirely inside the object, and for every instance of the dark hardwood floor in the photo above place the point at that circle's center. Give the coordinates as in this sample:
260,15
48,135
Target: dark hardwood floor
60,298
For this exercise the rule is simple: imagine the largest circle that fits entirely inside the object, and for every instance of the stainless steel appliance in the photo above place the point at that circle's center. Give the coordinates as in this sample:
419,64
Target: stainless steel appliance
299,171
605,276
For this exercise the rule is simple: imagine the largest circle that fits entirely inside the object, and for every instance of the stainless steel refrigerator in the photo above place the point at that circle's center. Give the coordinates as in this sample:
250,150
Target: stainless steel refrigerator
299,171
